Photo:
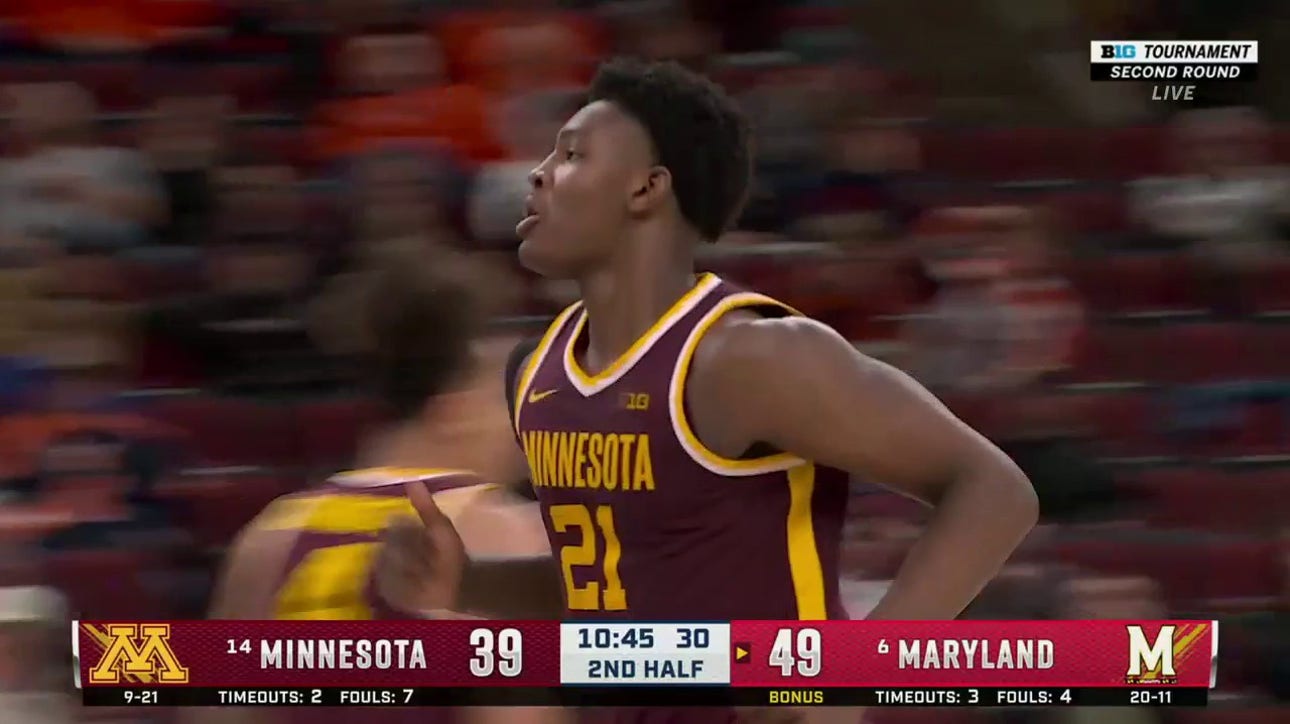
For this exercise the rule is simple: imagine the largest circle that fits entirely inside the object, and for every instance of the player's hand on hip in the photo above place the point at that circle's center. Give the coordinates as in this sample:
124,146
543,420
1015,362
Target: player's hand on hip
421,562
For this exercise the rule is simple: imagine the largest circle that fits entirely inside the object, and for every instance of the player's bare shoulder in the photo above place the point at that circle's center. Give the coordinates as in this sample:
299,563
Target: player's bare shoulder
743,337
736,362
744,348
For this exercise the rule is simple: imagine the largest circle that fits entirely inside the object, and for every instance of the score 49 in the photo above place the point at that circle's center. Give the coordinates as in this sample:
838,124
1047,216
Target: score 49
801,652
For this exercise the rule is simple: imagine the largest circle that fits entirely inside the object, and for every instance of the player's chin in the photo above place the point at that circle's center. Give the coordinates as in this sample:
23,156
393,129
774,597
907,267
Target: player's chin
544,255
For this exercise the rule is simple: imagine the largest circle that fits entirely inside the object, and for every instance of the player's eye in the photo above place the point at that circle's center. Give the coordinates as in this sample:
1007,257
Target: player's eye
570,154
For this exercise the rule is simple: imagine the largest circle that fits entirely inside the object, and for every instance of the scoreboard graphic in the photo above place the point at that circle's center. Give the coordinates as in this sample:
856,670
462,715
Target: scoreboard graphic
740,663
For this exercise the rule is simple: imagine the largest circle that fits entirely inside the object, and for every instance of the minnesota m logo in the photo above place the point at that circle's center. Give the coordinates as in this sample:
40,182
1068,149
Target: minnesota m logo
1155,659
138,650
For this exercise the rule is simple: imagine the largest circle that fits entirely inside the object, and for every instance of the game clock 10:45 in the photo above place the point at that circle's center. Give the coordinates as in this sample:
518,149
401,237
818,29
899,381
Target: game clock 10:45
632,637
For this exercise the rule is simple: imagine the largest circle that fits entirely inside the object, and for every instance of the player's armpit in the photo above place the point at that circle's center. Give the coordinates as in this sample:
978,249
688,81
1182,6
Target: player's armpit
798,386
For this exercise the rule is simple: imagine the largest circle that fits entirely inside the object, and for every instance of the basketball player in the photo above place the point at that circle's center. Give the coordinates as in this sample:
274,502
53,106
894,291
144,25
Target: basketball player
690,443
683,429
341,551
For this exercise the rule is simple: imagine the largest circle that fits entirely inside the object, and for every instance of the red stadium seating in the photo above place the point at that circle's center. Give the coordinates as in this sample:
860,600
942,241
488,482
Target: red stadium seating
1213,499
944,152
1131,153
257,86
1205,352
1092,211
1269,287
1193,572
1125,423
1113,353
109,583
1032,154
1135,283
232,431
31,72
216,506
281,144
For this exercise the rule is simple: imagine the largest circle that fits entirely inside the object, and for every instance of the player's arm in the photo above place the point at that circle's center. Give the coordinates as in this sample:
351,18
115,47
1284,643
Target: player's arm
515,364
797,385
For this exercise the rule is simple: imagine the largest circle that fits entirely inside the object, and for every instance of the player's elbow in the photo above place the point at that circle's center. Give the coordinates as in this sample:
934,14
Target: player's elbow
1015,501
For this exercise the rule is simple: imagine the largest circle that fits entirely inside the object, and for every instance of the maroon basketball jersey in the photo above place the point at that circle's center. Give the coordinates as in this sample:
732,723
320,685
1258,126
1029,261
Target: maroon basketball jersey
648,523
328,573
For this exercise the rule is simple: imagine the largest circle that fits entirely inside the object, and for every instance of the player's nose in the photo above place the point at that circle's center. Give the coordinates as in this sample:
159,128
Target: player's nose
537,177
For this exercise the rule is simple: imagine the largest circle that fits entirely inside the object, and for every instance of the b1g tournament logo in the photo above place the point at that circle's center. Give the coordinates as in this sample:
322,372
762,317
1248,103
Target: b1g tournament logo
136,653
1154,661
1174,67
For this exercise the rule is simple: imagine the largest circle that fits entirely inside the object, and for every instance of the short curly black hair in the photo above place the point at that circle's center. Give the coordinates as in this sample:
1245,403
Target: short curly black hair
699,134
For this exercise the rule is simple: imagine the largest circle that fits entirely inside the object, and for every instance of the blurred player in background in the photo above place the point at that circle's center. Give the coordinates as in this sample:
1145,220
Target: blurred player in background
690,443
321,554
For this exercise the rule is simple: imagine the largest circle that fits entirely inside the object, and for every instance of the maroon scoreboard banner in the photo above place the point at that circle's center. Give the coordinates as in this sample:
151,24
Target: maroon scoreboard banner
742,663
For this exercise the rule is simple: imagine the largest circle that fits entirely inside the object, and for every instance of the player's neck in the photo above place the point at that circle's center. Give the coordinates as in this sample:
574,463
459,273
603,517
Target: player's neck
624,299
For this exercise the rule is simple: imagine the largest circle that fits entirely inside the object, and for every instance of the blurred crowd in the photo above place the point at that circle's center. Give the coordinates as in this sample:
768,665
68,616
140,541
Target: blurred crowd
180,178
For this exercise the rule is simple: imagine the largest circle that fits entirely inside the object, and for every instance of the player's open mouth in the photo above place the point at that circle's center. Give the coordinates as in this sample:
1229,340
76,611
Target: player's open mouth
529,221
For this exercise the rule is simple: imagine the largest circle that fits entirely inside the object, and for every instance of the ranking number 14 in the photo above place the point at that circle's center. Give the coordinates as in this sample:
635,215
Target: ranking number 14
797,650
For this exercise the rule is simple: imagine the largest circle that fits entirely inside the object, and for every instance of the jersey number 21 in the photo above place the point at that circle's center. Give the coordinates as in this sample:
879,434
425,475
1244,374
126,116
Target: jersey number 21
608,593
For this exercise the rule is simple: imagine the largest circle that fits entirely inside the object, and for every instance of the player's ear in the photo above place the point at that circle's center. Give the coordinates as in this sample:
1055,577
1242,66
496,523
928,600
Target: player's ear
653,189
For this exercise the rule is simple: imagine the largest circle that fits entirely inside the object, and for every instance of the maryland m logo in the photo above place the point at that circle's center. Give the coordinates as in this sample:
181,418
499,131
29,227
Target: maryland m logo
1152,661
139,651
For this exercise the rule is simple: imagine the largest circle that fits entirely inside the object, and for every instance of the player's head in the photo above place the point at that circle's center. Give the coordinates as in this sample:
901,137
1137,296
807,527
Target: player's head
408,324
655,143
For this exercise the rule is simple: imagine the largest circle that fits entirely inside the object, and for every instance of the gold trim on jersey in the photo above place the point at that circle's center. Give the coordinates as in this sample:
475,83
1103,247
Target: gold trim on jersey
381,476
803,555
534,362
340,513
676,397
589,384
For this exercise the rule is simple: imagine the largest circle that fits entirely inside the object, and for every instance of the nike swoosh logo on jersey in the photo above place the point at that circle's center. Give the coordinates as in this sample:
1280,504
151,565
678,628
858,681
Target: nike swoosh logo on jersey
539,396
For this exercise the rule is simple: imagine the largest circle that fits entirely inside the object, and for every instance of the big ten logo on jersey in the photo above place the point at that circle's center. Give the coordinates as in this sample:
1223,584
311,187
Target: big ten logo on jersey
638,401
1152,661
135,652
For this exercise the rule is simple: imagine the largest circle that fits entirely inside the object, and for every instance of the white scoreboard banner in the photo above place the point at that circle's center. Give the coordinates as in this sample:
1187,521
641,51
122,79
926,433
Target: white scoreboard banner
642,653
